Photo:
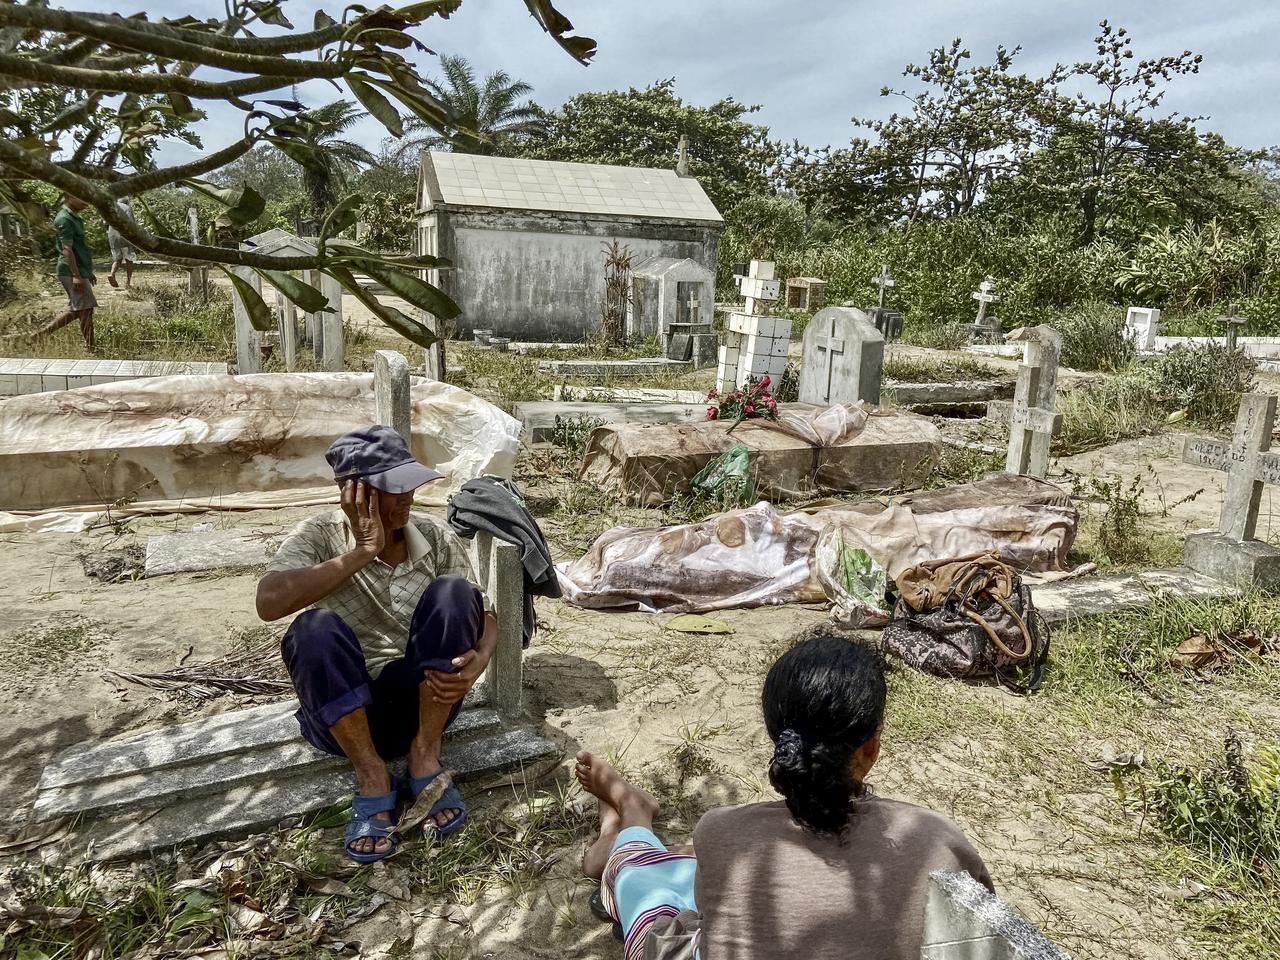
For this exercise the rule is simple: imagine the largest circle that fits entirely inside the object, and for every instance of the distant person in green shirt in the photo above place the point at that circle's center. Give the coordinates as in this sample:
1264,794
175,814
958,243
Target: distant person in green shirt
75,269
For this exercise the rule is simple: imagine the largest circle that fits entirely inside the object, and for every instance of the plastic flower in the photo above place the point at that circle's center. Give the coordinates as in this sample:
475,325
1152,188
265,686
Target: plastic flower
712,413
712,393
764,381
751,408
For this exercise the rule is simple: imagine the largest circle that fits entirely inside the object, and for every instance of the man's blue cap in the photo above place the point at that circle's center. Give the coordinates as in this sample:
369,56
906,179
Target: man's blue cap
380,456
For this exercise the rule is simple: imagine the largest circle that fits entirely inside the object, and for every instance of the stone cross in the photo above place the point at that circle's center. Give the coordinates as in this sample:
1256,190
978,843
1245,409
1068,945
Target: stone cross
1232,323
1247,461
984,295
843,358
391,392
1032,422
884,280
759,287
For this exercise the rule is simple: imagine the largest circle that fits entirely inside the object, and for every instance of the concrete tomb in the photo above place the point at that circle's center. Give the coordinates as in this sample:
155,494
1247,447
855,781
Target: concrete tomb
843,358
323,328
806,293
525,236
664,292
836,449
1231,553
755,345
1032,421
23,375
1140,324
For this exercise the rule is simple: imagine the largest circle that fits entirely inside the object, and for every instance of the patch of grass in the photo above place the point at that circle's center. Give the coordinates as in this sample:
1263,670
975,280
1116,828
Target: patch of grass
907,369
1119,533
572,434
1093,337
963,465
1120,408
46,647
938,336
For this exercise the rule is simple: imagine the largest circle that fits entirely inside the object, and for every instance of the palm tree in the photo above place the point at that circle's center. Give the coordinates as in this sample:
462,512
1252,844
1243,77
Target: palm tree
334,160
485,116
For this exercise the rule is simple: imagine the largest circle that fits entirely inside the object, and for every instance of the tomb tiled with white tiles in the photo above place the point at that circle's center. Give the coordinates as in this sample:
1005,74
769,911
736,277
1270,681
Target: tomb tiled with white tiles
754,345
21,375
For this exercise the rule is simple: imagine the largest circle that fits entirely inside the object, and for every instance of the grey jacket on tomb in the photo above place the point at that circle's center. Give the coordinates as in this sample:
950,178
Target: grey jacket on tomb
494,505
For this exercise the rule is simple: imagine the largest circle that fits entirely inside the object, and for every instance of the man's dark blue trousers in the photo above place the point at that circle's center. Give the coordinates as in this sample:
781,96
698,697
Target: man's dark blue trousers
328,668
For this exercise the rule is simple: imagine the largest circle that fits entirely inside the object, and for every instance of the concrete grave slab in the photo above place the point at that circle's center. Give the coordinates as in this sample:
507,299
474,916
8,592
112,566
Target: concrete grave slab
1113,593
965,921
640,367
20,376
234,549
539,417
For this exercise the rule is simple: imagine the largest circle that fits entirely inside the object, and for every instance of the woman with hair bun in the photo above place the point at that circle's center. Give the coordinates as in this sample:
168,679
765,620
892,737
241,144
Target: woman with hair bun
830,873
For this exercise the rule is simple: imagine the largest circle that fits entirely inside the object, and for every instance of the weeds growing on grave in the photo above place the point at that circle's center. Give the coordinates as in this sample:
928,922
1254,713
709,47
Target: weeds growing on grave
1093,337
1118,534
906,369
572,434
44,648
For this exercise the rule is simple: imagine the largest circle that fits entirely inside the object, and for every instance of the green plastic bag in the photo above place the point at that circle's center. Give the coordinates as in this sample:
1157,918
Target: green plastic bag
727,479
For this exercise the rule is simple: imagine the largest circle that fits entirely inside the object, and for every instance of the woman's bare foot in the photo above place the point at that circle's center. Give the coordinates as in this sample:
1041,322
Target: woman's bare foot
635,807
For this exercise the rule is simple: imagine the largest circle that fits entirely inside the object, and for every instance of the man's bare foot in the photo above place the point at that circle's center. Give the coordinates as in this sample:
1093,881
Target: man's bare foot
597,855
636,807
373,783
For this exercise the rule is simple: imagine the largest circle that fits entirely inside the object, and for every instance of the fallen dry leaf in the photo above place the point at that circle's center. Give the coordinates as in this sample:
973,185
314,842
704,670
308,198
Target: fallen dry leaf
1198,652
421,808
696,623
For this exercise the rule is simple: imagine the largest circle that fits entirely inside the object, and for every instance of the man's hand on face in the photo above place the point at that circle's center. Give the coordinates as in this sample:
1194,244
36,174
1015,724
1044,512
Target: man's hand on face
451,687
360,504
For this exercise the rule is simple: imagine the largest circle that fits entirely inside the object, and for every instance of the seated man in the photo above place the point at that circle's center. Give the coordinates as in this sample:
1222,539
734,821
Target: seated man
395,636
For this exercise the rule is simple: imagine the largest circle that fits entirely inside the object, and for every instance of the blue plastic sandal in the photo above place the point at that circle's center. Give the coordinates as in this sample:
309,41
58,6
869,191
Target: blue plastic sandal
451,799
362,824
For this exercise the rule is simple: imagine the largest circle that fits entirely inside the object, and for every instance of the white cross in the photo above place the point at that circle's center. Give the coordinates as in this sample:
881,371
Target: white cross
831,345
985,294
885,279
759,287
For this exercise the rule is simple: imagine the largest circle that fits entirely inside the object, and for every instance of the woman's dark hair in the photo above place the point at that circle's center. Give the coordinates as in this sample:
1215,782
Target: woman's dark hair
822,700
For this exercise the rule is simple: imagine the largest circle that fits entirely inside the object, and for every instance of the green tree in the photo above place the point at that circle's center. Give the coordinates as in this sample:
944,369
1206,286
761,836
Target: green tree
329,162
137,84
487,118
731,157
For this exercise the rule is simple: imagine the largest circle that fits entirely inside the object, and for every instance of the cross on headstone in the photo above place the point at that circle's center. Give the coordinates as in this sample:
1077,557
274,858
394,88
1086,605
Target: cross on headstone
1032,421
985,294
391,397
831,346
884,280
1247,461
755,345
1233,323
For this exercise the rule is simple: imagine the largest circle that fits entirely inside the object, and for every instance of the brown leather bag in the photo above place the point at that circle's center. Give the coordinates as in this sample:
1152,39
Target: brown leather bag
968,618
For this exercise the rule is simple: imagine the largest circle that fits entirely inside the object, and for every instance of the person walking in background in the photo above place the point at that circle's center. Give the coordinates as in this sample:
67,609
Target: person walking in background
123,253
75,270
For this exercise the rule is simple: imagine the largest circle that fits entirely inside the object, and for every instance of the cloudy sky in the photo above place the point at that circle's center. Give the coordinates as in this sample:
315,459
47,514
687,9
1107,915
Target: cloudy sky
813,64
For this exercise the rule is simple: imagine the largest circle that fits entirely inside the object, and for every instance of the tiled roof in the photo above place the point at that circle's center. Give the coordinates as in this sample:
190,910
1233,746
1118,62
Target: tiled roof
472,181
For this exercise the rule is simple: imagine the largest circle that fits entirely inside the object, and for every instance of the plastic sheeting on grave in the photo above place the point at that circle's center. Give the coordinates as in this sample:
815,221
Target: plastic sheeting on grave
220,442
840,449
758,556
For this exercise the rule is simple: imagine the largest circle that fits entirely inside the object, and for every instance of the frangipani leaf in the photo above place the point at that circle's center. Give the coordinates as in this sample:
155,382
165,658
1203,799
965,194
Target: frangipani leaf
261,316
303,294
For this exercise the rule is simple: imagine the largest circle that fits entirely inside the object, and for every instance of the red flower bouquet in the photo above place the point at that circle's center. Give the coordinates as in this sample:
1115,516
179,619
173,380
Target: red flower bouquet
746,403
